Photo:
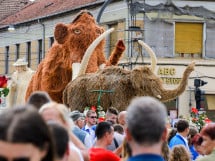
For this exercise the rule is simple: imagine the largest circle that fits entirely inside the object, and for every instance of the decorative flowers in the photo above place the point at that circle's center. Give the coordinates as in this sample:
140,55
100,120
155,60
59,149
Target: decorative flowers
199,118
3,87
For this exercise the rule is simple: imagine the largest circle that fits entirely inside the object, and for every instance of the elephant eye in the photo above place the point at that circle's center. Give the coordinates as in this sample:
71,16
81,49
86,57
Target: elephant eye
98,32
77,31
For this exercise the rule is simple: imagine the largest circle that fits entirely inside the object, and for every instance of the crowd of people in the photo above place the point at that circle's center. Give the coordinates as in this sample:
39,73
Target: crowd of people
43,130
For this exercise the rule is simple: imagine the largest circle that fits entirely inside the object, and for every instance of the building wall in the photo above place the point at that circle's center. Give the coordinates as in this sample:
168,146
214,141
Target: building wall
34,32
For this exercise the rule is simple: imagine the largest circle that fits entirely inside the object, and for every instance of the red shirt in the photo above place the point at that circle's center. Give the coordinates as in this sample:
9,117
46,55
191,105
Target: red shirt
100,154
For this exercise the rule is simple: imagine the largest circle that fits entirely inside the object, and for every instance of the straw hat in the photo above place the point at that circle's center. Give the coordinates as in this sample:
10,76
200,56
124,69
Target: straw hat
20,62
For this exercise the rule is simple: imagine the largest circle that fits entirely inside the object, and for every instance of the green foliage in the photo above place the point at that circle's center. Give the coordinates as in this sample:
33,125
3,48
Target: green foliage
4,92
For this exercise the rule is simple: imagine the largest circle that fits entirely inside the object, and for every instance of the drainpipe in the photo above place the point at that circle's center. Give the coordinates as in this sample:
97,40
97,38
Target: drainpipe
6,59
43,38
102,10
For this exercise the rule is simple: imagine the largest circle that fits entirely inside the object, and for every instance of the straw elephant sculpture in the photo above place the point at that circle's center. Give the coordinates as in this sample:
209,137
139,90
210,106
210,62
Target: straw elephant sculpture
125,84
61,63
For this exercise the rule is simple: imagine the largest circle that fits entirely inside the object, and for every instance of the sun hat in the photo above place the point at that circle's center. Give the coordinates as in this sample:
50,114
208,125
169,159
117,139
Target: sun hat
20,62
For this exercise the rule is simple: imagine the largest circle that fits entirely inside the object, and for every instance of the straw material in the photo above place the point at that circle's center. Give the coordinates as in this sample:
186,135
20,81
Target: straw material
126,84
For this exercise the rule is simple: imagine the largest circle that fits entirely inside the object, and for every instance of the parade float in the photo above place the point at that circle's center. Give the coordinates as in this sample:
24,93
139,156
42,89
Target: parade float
62,62
119,85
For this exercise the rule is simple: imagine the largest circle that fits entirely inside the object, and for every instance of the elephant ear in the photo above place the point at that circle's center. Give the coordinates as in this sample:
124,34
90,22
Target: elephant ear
136,78
145,82
61,33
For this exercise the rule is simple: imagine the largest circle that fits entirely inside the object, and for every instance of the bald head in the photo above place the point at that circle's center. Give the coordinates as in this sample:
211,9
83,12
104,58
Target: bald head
121,118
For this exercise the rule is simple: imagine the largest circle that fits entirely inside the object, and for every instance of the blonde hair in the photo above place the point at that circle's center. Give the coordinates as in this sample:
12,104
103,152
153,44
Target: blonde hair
180,153
165,151
126,150
62,110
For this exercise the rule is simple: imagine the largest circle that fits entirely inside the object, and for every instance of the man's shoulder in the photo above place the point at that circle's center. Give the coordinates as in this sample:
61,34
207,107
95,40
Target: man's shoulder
102,154
117,135
79,131
146,157
176,140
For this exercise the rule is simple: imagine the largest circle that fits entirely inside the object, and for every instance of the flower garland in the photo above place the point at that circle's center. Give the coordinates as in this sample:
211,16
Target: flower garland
199,118
3,87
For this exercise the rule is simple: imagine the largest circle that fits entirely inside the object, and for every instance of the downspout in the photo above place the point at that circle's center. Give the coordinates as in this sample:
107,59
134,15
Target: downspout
6,59
102,10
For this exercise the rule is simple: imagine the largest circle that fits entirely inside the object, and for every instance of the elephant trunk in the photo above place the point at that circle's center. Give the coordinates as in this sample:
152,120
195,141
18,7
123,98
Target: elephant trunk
167,95
90,50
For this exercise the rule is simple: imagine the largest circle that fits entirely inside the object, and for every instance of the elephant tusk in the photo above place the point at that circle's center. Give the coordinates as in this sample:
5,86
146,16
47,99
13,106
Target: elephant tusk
159,96
151,53
90,50
75,70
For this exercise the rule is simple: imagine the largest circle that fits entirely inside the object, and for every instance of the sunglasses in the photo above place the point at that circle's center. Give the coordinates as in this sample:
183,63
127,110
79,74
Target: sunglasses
93,117
15,159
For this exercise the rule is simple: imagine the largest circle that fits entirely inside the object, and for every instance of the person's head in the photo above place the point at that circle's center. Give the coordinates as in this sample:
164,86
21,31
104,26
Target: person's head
171,134
39,98
121,118
146,122
104,131
20,65
25,135
118,128
91,118
56,112
192,132
208,136
197,141
78,118
179,153
61,140
183,127
111,115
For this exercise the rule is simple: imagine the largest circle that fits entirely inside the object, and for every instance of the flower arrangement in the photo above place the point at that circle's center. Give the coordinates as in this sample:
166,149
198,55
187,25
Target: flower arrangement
3,87
199,118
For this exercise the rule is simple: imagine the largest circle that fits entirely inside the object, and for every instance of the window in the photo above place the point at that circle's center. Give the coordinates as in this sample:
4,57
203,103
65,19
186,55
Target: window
188,39
17,51
40,50
28,52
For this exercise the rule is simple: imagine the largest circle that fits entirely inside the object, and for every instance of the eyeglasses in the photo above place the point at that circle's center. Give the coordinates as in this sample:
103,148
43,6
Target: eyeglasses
93,117
15,159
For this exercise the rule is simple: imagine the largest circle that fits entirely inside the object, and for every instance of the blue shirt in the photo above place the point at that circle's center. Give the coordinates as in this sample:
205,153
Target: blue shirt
146,157
178,140
193,152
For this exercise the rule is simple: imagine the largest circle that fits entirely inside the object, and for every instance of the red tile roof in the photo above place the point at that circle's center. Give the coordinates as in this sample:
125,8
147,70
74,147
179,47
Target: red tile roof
42,8
8,7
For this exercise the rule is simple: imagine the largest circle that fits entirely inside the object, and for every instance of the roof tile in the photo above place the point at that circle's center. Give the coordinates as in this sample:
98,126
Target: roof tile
42,8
